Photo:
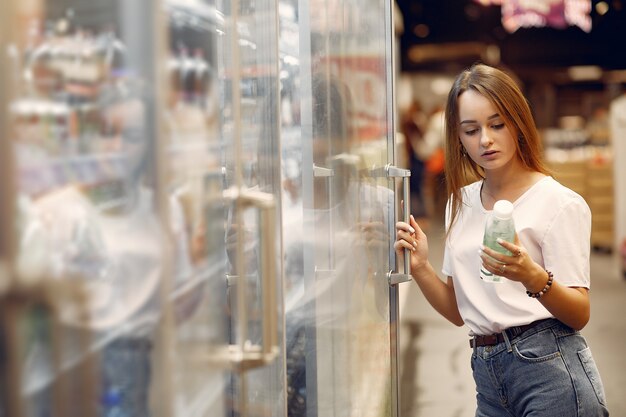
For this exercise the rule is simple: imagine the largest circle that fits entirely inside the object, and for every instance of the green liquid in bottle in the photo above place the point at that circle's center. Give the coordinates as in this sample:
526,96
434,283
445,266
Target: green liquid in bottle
499,225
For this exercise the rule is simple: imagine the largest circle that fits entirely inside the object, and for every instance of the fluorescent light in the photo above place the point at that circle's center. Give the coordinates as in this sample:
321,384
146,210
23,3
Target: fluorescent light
585,72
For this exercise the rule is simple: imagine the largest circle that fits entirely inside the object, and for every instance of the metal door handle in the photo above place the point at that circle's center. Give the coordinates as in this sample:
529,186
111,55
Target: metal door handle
322,172
393,172
328,173
247,355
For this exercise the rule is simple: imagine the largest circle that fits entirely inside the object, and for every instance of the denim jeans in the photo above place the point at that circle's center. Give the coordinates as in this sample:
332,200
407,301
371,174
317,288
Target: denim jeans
126,378
547,371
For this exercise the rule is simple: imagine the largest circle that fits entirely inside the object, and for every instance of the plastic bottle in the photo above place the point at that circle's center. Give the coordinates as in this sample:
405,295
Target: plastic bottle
499,225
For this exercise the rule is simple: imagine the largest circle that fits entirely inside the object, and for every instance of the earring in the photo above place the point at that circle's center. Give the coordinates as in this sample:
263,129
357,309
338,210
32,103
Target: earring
463,151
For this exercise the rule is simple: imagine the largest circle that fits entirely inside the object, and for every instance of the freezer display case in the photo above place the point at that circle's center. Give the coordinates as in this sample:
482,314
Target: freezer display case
198,203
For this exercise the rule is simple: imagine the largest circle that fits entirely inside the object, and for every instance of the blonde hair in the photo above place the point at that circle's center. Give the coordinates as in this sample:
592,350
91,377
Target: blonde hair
505,95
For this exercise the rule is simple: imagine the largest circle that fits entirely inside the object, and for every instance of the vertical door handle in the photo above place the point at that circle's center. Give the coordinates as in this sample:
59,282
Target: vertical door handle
267,205
337,162
246,355
328,173
393,172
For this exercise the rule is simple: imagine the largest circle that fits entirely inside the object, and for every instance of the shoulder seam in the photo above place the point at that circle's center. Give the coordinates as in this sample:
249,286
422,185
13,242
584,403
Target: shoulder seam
556,215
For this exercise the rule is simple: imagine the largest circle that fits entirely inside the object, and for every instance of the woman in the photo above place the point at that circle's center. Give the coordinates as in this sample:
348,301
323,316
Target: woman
528,356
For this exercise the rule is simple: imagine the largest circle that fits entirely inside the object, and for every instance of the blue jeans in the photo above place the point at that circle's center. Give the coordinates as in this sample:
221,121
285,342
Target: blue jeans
124,387
126,378
547,371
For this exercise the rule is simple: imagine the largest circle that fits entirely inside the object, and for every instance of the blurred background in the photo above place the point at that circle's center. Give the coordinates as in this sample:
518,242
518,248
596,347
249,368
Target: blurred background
564,56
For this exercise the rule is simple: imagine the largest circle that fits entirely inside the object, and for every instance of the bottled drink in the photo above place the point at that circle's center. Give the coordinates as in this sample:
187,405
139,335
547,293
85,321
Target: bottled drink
499,225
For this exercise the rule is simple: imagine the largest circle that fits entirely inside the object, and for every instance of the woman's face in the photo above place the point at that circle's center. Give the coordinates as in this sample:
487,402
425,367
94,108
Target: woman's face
483,133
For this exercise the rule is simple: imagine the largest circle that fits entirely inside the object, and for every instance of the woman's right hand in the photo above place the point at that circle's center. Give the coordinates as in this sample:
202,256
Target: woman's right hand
410,236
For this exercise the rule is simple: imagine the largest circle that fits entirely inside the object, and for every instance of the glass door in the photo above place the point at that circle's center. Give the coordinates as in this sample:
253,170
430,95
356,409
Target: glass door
195,332
222,177
339,209
86,259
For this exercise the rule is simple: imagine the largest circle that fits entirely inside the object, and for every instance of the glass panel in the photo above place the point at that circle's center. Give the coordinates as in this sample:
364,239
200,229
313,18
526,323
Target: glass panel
235,187
196,180
90,240
338,211
223,174
254,69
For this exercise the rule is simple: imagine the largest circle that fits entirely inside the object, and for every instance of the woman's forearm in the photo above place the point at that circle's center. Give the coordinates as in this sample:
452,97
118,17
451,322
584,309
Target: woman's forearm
439,294
568,304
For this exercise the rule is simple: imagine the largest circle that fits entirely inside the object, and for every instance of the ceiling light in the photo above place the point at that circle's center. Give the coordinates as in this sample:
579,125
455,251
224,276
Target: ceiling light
602,7
442,52
585,72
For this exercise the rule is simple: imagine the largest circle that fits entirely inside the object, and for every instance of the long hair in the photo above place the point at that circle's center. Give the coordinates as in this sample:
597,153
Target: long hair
410,128
505,95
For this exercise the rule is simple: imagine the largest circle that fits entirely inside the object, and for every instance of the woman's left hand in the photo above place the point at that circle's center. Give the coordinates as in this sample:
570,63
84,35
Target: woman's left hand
517,267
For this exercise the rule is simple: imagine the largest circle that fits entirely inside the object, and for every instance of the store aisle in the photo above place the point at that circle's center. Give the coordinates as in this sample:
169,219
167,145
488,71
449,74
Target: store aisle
435,372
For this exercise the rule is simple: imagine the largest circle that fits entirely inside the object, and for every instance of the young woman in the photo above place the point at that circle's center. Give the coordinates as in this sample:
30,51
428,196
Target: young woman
528,355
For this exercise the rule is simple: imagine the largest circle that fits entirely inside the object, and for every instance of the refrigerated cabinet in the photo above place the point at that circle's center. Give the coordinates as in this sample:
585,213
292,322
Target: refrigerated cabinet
198,202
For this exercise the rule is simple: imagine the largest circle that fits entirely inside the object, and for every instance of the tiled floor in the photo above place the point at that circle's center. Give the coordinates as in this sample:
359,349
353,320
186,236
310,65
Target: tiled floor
436,378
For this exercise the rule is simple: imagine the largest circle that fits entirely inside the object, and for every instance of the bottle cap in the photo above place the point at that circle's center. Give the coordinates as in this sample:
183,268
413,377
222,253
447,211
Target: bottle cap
503,209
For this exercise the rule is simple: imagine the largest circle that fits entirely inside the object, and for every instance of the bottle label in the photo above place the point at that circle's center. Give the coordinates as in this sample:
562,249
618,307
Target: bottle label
495,230
488,276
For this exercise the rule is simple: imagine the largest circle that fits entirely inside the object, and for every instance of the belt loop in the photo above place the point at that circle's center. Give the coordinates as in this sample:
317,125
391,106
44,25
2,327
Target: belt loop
474,347
507,341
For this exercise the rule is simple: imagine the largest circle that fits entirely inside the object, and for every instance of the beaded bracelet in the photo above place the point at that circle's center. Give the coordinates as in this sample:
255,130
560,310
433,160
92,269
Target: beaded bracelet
544,289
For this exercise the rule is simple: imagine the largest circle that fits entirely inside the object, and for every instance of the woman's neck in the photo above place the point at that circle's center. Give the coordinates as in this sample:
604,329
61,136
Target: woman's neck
507,186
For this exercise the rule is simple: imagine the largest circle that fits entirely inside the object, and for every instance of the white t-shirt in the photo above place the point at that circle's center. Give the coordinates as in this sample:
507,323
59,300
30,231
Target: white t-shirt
553,224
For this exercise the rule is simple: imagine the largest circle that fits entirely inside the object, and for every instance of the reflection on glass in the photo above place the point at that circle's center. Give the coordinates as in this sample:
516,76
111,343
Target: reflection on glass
252,65
222,149
84,147
195,185
337,215
147,185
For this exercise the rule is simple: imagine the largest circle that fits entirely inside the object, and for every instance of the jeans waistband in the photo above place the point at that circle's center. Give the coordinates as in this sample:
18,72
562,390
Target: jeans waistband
511,333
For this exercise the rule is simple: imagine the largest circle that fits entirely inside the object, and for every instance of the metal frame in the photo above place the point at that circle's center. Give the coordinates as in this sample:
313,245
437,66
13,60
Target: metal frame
394,293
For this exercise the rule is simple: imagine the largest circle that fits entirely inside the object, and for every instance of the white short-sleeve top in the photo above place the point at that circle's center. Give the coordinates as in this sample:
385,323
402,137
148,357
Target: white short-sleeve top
553,224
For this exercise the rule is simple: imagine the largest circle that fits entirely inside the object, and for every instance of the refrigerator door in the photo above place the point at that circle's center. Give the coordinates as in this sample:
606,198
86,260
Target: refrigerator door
339,210
88,261
222,169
